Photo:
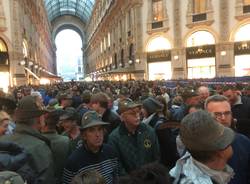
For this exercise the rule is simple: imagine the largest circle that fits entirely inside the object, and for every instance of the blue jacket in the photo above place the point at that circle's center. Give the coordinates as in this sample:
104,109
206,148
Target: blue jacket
240,161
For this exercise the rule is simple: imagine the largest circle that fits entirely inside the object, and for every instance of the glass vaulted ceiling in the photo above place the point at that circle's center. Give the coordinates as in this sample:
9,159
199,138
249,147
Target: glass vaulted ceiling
79,8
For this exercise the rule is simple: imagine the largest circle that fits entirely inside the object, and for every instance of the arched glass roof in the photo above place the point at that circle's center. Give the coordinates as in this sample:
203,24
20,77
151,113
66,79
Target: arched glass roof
79,8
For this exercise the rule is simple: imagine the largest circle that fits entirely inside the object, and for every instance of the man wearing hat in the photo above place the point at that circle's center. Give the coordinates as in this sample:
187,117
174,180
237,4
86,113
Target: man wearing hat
60,145
135,143
69,121
28,116
93,154
208,145
150,111
65,100
190,97
220,109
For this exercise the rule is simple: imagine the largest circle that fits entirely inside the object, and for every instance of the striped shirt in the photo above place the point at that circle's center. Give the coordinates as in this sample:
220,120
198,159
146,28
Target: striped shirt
82,160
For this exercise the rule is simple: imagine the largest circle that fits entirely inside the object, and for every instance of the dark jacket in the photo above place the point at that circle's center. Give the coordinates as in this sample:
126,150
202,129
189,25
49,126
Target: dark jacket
240,161
242,113
37,147
166,139
113,119
60,147
134,150
14,158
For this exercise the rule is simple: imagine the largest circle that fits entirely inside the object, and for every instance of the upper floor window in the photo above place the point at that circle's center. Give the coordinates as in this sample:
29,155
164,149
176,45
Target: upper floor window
246,2
199,6
157,10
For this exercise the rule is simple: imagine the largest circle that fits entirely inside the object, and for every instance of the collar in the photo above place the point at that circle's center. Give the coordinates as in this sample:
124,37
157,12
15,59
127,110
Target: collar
220,177
123,130
86,148
148,119
196,171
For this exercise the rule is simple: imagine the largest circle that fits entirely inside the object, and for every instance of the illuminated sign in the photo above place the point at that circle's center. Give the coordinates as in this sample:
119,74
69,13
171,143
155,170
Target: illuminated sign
200,52
241,48
163,55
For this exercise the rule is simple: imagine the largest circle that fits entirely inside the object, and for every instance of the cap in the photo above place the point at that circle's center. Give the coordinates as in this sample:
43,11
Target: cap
90,119
152,105
201,132
69,113
28,108
188,93
9,177
126,104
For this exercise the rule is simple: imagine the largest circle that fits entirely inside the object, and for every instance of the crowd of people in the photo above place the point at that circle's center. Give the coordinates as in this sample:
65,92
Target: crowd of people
129,132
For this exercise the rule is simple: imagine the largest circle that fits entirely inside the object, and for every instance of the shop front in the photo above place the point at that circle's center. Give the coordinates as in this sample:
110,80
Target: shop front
159,65
200,55
242,51
4,67
201,62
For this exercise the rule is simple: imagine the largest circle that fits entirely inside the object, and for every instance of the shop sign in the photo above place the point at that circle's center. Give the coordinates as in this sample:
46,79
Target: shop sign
163,55
241,48
200,52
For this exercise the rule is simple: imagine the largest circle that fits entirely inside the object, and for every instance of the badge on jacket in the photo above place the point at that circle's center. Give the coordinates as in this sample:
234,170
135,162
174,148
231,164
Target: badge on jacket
147,143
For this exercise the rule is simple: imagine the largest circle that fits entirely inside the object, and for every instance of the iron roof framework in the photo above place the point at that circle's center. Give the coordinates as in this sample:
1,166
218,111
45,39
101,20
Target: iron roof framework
78,8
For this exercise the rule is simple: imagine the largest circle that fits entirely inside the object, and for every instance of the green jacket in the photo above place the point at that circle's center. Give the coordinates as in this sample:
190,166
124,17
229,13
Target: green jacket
134,150
36,145
60,146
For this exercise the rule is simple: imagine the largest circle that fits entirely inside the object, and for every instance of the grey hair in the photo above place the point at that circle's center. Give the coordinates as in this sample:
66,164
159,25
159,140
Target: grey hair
215,98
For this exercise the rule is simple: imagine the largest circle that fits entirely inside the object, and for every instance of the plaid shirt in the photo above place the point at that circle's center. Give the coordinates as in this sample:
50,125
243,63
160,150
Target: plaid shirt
134,150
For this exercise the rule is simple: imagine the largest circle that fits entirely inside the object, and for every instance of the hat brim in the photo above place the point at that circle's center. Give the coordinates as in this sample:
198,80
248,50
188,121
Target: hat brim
94,123
225,139
220,143
128,108
9,103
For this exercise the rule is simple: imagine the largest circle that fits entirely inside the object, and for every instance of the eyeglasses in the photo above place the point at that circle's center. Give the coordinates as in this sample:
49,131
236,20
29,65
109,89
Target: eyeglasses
220,114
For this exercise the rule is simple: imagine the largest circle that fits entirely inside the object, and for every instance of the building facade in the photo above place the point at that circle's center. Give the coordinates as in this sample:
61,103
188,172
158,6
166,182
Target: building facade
168,39
26,47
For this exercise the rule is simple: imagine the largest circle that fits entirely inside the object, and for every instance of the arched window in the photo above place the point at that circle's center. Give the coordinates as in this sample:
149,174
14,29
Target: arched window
158,43
157,10
25,49
3,47
199,65
122,58
243,33
242,52
200,38
199,6
115,58
131,52
246,2
4,56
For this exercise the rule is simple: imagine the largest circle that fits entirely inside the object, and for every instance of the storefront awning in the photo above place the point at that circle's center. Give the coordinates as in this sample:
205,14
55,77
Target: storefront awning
123,71
28,70
50,75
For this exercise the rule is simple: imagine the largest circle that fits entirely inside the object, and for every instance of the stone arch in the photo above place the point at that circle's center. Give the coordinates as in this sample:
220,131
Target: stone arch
237,27
68,22
150,39
201,28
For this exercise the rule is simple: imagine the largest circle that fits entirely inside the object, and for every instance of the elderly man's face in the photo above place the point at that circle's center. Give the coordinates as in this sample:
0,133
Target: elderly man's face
203,93
221,112
131,117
